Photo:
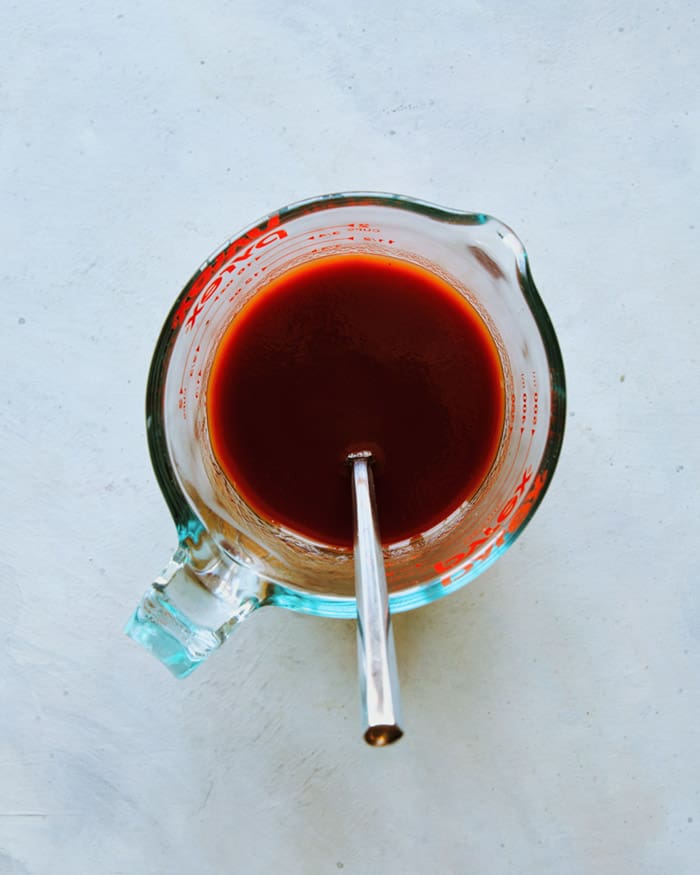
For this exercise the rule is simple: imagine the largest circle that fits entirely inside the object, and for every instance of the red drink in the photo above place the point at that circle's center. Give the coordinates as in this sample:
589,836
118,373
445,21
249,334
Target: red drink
353,352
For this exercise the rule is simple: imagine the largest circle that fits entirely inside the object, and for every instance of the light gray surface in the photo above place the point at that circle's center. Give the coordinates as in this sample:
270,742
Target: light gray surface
551,708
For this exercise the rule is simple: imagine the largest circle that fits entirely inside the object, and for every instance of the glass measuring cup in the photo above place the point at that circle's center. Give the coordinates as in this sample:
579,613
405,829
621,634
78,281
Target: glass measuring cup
231,561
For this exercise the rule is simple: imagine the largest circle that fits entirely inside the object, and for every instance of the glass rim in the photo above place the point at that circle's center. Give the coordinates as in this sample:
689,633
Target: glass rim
189,526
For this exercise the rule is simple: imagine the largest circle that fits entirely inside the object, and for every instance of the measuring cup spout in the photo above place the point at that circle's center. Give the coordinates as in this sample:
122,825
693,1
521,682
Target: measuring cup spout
194,605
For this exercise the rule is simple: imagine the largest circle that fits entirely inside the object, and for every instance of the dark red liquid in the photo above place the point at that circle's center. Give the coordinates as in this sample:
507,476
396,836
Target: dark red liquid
348,352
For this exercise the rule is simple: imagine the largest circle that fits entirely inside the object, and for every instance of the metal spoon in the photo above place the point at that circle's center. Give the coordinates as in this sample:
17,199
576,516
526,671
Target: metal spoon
379,682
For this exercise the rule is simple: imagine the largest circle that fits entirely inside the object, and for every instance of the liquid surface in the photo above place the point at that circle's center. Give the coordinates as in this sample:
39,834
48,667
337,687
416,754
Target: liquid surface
351,352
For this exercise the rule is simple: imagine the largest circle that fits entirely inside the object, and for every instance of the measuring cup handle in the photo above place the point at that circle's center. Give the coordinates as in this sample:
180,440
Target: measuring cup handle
193,606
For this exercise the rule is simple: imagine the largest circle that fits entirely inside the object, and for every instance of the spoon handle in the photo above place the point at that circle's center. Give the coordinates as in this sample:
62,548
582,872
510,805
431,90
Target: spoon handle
379,682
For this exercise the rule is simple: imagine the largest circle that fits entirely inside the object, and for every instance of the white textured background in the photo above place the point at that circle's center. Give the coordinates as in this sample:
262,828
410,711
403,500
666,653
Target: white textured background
551,707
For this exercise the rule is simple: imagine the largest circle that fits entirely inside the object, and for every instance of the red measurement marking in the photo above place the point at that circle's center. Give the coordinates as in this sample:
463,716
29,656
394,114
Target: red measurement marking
521,500
210,277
